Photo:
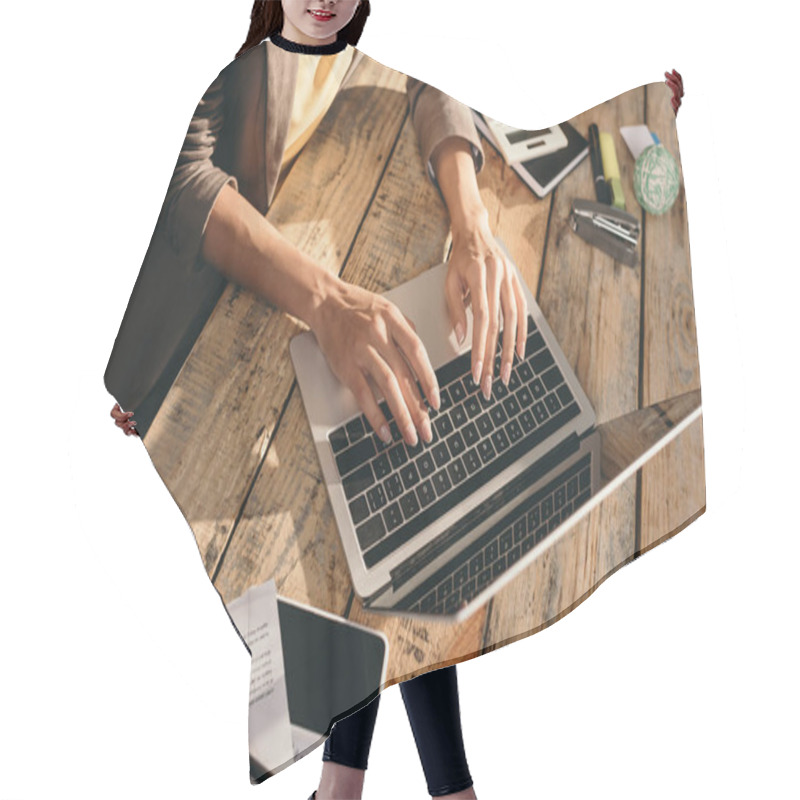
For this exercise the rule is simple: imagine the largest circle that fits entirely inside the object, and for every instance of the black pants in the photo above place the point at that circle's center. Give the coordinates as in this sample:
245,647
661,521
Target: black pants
432,706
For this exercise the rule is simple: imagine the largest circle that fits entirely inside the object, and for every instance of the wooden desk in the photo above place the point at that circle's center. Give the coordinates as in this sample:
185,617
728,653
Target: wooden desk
232,442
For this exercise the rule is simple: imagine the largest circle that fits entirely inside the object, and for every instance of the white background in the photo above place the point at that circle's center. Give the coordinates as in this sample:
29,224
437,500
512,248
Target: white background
121,675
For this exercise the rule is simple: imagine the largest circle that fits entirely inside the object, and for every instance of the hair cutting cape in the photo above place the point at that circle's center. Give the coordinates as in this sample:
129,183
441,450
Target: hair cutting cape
608,414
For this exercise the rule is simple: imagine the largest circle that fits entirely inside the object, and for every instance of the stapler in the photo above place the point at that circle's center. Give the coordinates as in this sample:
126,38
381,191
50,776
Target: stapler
610,229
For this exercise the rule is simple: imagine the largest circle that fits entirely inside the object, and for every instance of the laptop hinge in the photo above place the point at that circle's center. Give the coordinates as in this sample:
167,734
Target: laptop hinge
410,568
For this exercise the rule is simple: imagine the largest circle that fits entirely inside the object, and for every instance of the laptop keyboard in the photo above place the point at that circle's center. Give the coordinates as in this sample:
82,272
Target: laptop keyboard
504,544
394,491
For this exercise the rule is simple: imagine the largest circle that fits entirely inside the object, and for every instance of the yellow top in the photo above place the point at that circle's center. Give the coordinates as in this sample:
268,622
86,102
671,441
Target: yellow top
318,81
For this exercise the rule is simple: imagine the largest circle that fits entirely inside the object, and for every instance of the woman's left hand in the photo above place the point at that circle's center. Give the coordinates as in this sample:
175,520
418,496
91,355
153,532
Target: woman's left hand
124,420
479,275
674,81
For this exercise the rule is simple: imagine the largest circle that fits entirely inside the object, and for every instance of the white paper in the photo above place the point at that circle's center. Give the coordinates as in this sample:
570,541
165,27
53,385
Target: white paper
637,137
255,614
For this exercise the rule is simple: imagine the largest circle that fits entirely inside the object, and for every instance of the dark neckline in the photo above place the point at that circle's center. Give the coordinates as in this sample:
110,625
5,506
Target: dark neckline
312,49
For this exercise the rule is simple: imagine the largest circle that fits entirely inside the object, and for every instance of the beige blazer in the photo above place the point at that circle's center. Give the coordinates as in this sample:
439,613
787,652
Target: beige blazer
236,136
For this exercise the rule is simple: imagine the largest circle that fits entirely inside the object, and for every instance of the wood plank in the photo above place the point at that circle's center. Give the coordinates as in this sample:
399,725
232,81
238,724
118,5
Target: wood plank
673,488
287,531
592,304
673,483
216,424
670,365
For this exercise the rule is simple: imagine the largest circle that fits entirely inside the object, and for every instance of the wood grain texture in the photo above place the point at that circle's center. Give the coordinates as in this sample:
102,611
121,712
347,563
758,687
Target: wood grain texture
592,304
673,488
215,425
673,483
669,365
287,531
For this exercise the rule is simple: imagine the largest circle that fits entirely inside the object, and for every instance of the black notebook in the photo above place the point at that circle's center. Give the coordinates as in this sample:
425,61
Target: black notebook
543,174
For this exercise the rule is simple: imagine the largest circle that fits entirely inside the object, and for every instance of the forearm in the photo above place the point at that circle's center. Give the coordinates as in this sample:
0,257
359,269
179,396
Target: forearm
477,269
455,172
250,251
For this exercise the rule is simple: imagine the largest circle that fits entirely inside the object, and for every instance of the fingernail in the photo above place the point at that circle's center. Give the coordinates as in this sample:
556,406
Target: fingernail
411,435
476,372
384,434
437,400
487,386
460,333
427,432
506,376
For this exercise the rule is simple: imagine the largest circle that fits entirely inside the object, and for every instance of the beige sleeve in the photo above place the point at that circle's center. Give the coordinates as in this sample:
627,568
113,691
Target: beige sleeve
436,116
196,181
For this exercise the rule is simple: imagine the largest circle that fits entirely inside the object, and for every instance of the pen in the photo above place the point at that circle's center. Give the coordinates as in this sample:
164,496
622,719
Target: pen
601,188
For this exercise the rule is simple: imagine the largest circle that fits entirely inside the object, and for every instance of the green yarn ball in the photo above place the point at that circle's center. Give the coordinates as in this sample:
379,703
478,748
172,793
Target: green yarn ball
656,179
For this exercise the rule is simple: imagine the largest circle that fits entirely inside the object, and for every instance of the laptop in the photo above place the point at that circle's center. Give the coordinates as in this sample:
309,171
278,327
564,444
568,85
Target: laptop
409,517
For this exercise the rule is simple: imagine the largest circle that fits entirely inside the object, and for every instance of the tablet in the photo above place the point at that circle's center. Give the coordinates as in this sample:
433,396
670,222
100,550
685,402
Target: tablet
333,667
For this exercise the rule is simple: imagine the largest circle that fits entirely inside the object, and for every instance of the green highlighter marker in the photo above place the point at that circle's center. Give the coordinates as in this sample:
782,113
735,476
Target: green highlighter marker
611,169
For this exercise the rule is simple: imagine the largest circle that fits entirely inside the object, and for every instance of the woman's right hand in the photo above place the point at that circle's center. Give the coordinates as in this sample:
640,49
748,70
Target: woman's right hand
124,420
363,335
